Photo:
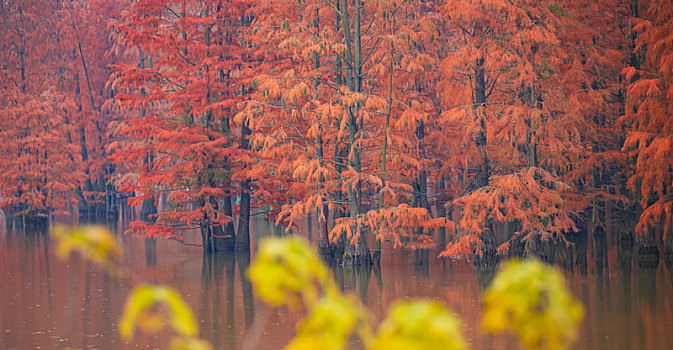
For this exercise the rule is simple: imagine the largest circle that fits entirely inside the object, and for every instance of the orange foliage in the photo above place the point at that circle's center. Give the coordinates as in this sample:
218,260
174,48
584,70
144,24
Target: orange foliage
180,87
530,97
51,128
385,118
323,132
648,113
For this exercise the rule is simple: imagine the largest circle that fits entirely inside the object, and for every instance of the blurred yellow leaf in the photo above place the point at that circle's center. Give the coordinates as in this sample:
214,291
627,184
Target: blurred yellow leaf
531,299
151,322
95,243
138,311
329,325
419,325
287,271
187,343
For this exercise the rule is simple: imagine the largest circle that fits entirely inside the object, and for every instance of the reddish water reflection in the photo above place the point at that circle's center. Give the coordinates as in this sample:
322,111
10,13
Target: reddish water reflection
47,303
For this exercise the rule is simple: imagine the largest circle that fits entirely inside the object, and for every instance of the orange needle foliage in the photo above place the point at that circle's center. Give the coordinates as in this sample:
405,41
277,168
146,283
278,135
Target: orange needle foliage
529,94
477,123
648,112
50,126
331,115
185,80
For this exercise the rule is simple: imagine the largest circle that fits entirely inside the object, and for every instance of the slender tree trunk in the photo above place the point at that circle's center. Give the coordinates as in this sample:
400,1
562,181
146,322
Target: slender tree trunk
376,258
22,50
442,212
358,253
88,186
340,245
338,77
82,133
243,232
206,235
148,208
81,57
480,141
482,175
221,240
347,40
422,179
229,230
324,246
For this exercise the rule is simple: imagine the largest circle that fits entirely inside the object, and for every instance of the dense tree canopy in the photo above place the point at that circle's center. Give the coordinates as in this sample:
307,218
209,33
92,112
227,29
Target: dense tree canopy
489,126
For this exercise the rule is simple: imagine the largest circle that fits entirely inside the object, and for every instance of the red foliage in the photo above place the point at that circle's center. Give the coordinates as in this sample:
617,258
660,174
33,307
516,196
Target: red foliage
182,85
50,123
648,113
388,119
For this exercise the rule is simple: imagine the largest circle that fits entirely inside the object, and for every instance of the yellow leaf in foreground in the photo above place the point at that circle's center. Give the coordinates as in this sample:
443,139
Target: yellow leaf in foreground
531,299
95,243
138,310
287,271
420,325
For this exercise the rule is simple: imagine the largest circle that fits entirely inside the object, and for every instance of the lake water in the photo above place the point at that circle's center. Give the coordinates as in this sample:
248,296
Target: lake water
46,303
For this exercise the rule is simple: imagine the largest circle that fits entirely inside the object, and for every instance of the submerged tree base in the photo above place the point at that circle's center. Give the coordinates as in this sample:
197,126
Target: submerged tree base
376,257
40,220
357,258
648,254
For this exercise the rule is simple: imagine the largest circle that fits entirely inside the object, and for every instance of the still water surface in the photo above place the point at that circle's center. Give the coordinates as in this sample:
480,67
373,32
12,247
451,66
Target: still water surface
46,303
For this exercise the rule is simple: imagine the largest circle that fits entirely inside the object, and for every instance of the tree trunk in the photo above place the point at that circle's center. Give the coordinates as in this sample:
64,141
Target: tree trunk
243,232
229,230
22,50
206,236
480,140
222,241
358,253
324,246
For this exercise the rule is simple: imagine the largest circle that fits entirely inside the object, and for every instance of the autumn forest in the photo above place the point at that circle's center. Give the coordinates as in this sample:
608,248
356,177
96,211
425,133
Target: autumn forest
488,128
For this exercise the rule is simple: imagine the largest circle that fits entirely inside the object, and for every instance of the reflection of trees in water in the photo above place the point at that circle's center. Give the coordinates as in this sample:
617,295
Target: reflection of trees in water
214,267
229,327
356,277
633,309
647,307
485,273
272,230
217,306
5,227
243,261
338,276
309,228
87,303
150,252
647,254
601,267
579,250
422,263
379,280
624,284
